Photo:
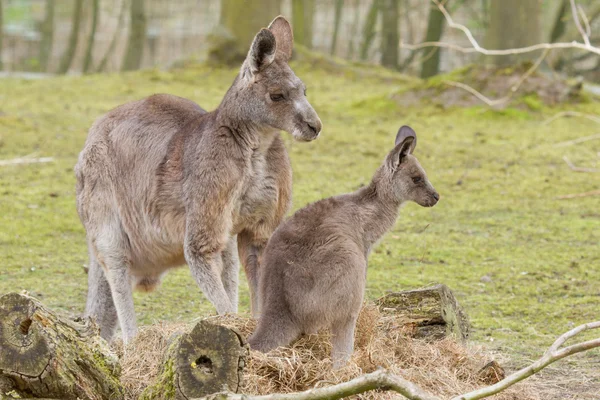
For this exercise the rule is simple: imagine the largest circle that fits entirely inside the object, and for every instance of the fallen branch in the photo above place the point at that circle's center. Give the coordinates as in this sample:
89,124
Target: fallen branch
513,88
553,354
16,161
579,169
380,379
577,195
383,380
572,114
578,140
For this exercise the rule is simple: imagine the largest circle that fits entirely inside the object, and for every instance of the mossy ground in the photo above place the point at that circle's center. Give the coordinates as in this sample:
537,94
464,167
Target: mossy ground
498,174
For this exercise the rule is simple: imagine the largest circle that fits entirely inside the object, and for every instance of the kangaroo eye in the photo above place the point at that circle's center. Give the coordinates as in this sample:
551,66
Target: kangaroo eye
276,97
417,179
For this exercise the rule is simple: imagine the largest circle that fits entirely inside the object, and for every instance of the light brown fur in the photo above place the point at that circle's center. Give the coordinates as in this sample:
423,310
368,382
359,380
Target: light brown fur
315,264
161,182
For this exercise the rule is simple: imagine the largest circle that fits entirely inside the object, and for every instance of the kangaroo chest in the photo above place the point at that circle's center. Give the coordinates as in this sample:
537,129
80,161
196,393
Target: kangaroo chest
258,195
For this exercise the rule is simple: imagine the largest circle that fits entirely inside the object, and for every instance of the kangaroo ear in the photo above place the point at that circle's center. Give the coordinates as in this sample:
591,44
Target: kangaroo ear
262,51
406,140
284,37
404,132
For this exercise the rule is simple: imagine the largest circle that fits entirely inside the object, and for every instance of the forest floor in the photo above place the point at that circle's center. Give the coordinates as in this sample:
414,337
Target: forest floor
524,264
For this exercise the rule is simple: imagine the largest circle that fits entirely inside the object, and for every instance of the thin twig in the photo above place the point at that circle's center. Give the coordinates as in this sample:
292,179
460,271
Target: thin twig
514,88
578,140
577,195
476,48
554,353
16,161
579,169
572,114
575,12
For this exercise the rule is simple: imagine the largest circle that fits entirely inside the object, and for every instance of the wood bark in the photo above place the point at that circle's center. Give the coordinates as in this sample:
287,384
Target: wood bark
513,24
302,21
69,54
339,4
434,311
1,34
137,37
87,61
243,21
207,360
435,26
47,355
47,33
390,36
113,42
369,29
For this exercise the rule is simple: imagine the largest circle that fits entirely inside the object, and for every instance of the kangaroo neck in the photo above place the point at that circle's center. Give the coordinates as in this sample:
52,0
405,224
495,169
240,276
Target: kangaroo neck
379,213
248,134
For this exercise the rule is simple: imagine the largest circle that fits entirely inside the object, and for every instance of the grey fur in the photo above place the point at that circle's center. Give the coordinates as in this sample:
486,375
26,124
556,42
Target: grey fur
161,182
315,264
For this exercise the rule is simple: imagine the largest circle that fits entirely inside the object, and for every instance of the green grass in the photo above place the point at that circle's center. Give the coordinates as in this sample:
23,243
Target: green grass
498,174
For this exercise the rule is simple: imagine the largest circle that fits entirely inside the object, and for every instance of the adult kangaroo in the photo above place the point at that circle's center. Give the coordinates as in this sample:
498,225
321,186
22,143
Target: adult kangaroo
161,182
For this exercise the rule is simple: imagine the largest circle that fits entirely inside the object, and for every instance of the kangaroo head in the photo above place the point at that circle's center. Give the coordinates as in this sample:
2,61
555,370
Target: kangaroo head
267,90
403,178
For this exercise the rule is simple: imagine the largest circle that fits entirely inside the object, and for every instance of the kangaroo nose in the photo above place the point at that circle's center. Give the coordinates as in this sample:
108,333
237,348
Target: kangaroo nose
436,196
315,126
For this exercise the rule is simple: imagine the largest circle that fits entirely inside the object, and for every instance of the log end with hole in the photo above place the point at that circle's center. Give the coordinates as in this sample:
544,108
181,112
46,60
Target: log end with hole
209,359
44,354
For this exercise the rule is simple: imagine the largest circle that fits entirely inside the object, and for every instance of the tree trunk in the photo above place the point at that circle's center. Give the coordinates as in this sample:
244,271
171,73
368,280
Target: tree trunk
390,38
302,21
243,22
434,311
1,34
354,30
369,30
87,62
207,360
435,26
47,36
46,355
67,58
558,29
339,4
113,42
137,36
513,24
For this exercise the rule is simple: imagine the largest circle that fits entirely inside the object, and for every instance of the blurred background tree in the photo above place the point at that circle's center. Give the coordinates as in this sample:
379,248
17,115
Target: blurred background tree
109,35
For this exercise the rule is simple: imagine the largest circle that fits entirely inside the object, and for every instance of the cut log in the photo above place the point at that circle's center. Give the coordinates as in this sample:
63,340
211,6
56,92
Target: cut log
434,311
47,355
207,360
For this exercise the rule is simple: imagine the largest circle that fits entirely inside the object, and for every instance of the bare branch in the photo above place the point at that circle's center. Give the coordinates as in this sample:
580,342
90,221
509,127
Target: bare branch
578,140
554,353
577,195
383,380
579,169
572,114
24,160
513,89
380,379
575,12
476,48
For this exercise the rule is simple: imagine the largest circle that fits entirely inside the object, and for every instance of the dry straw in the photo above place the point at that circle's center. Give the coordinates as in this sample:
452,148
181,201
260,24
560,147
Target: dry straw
445,368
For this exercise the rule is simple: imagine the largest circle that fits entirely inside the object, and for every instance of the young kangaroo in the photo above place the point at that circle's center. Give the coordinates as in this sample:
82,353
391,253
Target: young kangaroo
315,264
161,182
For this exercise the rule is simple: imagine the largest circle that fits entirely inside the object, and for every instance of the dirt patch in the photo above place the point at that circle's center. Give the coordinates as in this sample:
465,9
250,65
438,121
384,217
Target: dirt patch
494,83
